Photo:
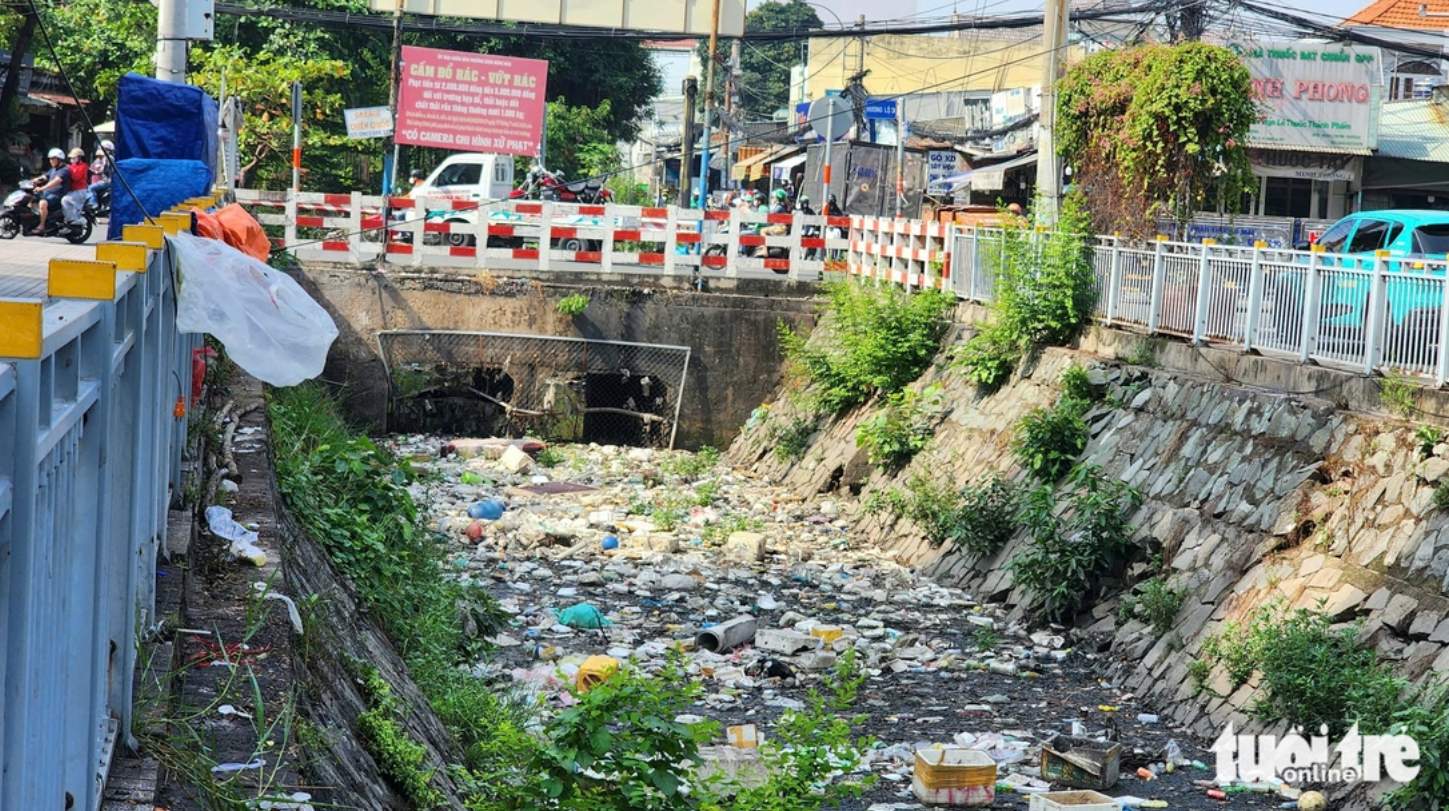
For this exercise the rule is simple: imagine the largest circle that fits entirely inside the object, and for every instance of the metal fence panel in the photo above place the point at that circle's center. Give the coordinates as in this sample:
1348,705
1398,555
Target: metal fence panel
88,461
574,389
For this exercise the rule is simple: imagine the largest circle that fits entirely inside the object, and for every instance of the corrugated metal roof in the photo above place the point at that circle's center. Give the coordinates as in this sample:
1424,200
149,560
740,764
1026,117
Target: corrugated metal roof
1327,150
1414,130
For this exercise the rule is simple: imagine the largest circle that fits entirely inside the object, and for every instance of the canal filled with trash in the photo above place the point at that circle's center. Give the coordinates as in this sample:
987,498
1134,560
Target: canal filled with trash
625,553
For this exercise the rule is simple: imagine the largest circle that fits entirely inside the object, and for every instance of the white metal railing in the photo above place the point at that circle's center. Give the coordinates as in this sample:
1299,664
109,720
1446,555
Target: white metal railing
90,454
1362,312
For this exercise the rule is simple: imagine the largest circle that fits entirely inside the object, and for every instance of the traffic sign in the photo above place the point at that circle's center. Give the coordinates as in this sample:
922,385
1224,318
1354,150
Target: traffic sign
831,117
881,109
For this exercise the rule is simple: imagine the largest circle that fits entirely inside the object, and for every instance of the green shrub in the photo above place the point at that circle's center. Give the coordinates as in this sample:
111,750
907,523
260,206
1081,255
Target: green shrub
1157,604
1049,440
1076,383
900,430
399,758
791,441
691,466
1396,393
1065,559
1424,716
875,339
987,515
550,457
573,305
1312,674
1441,496
990,357
1428,436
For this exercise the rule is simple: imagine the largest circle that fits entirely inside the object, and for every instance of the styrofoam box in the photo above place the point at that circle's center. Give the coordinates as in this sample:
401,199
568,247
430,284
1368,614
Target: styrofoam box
1073,801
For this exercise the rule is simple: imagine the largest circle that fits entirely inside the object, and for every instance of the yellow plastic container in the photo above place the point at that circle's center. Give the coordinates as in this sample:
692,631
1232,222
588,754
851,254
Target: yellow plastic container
595,670
829,633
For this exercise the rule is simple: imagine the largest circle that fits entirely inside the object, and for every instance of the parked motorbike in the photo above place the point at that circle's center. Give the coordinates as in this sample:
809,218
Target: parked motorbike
17,217
541,184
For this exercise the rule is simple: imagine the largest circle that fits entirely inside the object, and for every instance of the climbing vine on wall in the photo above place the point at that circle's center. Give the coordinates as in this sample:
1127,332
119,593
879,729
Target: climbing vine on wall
1156,130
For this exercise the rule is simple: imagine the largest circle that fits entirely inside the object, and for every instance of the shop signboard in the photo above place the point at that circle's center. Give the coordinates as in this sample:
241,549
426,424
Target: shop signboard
368,122
1326,166
1314,95
941,164
471,102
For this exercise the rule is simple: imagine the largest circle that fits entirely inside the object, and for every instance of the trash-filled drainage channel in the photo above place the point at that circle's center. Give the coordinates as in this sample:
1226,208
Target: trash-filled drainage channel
663,549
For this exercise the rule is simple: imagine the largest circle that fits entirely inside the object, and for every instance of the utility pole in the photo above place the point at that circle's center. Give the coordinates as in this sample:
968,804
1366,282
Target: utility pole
686,162
860,48
296,136
171,41
900,154
390,149
708,106
731,88
1048,168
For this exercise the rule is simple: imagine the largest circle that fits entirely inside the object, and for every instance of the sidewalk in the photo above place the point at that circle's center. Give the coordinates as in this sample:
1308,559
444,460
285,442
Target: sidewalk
24,262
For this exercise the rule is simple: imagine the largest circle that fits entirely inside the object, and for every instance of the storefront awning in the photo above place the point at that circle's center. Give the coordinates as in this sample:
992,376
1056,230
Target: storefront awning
781,170
1319,150
993,178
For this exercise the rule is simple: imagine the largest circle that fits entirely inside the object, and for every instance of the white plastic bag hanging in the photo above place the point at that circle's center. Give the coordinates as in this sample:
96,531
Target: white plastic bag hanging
267,322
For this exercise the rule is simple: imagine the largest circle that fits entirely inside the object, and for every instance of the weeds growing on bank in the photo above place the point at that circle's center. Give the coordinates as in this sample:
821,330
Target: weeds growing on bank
978,518
1155,601
1044,292
879,338
791,441
352,498
901,429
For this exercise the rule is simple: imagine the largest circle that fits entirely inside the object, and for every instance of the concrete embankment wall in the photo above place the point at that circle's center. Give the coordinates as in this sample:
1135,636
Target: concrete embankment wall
730,328
1250,494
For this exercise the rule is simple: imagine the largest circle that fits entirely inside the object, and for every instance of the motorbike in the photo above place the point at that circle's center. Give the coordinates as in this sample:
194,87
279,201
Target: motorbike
541,184
748,251
17,216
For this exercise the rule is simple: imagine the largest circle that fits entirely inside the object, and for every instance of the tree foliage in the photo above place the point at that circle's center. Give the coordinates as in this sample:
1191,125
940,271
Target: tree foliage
605,85
579,143
764,66
1156,130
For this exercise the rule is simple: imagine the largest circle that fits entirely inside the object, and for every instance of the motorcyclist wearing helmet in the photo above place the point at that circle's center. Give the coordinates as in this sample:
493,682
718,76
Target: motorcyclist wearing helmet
802,204
832,208
51,186
73,203
100,173
781,202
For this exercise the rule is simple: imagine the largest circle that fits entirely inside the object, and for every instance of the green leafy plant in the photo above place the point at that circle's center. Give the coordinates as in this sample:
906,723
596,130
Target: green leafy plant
1065,559
1076,383
716,534
792,440
808,749
691,466
1424,716
1312,673
1396,393
927,501
873,339
1049,440
1428,436
985,639
619,746
1441,496
986,516
1044,291
900,430
1143,354
572,305
550,457
1200,671
1156,603
398,756
1157,130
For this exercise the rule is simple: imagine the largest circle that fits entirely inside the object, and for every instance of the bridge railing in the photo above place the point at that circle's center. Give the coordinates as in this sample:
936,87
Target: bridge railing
90,456
1373,312
1363,312
448,232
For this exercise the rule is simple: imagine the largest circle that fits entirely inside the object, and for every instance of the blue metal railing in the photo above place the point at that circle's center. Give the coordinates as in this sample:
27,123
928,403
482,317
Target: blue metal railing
90,456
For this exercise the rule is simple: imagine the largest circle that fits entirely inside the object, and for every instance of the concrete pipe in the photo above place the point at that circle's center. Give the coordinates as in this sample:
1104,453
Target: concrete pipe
726,635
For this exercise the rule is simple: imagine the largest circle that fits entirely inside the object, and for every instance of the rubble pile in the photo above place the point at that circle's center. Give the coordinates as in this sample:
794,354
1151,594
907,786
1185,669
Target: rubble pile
623,553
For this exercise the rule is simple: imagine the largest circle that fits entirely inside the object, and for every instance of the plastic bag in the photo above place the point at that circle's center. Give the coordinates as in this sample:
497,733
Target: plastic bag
266,321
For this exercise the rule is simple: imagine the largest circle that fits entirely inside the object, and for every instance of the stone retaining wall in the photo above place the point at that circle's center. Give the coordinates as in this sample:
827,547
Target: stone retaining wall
1249,496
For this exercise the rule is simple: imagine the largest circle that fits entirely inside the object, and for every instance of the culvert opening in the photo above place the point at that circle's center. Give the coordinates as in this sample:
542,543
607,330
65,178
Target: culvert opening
557,389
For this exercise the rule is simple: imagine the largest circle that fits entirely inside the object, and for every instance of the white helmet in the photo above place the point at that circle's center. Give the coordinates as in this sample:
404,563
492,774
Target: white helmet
108,146
55,153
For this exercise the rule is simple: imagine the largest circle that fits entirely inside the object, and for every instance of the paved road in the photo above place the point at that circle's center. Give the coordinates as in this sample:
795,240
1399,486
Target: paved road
24,262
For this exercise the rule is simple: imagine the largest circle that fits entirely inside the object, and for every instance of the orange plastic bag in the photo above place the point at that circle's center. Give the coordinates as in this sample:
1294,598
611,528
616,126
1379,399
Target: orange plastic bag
243,232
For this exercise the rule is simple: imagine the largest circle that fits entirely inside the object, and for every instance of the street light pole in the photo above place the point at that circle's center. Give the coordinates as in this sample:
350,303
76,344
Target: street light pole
171,41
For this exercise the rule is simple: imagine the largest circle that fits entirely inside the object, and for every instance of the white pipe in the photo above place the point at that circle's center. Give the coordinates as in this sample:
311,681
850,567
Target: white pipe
727,635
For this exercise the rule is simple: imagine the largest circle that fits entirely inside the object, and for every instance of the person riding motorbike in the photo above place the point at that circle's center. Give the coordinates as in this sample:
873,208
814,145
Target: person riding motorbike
51,186
802,205
100,174
780,205
79,181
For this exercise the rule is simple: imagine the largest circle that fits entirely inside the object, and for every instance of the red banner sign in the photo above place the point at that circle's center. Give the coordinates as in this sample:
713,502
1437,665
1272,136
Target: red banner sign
471,102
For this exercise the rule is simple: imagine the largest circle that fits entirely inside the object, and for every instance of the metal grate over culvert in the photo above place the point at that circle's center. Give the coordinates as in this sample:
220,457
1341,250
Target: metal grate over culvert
554,388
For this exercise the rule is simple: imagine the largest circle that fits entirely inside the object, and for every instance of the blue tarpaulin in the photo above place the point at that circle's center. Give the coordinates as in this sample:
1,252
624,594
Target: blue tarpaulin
158,185
165,121
166,148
